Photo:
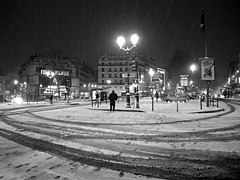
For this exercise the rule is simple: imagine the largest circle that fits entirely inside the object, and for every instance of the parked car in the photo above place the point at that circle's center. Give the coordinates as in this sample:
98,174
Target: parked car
7,99
193,95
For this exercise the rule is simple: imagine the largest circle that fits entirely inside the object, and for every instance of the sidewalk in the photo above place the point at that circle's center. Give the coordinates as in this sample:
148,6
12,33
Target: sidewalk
168,111
189,110
145,105
9,105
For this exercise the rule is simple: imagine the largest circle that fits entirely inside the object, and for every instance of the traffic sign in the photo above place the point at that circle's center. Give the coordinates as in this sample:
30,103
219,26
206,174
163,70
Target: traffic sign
125,75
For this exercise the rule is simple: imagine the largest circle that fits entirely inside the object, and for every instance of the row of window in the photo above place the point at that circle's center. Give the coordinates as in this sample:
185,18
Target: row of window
110,75
113,63
115,69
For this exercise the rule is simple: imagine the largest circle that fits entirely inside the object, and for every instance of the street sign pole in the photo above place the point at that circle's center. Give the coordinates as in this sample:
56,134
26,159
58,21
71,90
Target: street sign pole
137,94
208,84
128,77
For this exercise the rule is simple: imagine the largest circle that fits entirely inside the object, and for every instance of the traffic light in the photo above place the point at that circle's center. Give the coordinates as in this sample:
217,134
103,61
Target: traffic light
68,83
134,65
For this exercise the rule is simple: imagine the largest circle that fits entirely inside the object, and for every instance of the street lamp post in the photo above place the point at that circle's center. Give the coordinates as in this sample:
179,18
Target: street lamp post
50,74
151,73
15,86
193,68
108,82
121,42
26,90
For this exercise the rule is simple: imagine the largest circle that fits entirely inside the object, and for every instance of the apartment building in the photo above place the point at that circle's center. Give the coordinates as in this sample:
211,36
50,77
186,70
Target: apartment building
113,73
43,76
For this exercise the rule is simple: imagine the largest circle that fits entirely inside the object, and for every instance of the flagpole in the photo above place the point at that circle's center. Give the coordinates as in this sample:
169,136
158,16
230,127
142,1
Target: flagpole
205,43
203,28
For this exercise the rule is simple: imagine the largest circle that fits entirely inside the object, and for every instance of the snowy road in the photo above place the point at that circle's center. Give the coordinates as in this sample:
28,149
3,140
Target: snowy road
150,144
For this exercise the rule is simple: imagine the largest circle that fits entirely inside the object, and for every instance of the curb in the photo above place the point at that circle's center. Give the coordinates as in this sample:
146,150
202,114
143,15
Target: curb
207,111
120,110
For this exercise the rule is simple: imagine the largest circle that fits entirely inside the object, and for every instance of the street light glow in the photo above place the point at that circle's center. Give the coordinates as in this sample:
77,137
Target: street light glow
15,82
151,72
109,81
50,74
121,41
193,67
134,39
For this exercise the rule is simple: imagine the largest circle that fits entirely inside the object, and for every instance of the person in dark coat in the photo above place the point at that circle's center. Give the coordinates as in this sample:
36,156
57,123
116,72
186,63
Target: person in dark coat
51,99
113,98
157,96
97,99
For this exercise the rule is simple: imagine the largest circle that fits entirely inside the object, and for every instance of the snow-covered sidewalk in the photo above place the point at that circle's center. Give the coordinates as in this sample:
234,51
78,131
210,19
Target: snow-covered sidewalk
191,109
87,119
173,110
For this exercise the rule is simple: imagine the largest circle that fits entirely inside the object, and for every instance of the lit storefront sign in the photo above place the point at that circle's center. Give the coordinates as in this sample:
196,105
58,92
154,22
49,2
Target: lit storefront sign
60,73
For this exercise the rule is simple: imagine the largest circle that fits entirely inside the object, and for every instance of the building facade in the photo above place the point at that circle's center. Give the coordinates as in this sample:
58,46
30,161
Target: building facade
113,73
41,77
232,87
2,88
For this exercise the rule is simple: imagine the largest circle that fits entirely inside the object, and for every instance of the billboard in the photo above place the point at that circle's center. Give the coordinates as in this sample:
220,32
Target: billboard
184,80
207,69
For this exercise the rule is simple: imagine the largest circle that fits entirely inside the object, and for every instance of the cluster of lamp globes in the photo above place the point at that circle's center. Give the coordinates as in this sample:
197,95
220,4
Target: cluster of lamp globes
121,41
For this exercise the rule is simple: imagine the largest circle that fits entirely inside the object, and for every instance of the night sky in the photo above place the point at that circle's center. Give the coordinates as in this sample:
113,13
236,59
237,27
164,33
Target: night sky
86,28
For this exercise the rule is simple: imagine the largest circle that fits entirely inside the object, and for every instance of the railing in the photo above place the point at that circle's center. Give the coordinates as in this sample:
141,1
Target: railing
213,101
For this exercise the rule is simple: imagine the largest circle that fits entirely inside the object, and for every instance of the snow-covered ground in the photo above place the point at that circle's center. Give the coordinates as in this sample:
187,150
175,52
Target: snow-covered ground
21,162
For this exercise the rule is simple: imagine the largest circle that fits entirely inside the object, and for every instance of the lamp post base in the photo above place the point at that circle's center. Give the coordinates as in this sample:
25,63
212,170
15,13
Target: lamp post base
128,100
137,99
152,103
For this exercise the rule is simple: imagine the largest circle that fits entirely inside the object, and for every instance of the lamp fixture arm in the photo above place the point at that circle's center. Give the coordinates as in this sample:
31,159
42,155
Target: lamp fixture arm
128,49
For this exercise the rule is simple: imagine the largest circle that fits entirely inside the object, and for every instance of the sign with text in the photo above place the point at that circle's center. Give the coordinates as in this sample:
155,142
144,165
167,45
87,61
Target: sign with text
125,75
60,73
184,81
207,68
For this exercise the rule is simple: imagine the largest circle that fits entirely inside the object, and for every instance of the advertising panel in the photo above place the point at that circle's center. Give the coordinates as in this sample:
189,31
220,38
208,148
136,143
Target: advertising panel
207,69
184,80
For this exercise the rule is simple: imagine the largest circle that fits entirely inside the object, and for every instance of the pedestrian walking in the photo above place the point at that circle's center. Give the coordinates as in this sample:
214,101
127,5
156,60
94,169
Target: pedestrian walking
113,98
